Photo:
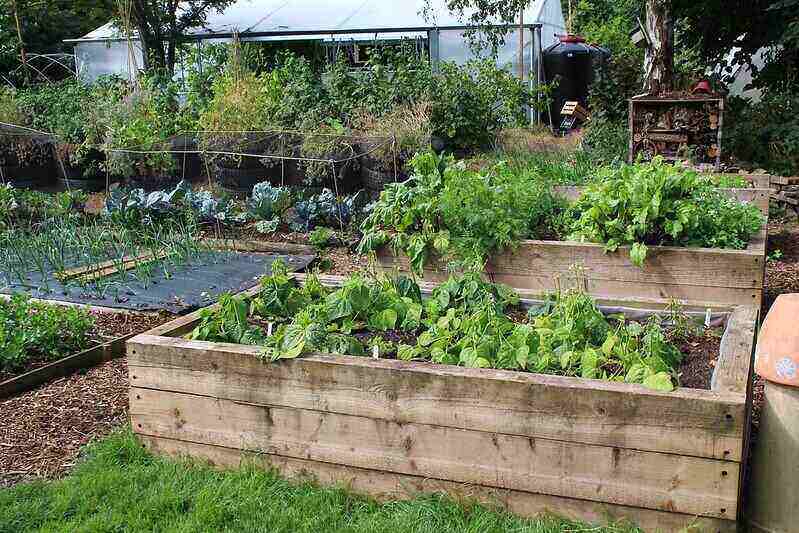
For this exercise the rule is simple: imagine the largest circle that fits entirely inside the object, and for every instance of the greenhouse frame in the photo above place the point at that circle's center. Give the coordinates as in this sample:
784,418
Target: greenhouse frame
107,51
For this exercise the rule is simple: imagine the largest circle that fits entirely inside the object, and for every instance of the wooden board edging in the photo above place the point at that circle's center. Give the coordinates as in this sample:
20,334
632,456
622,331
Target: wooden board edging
691,422
385,486
665,482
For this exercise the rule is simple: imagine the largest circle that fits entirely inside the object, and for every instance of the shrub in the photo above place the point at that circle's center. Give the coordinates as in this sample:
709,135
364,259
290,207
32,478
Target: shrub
396,136
765,134
143,120
472,103
460,214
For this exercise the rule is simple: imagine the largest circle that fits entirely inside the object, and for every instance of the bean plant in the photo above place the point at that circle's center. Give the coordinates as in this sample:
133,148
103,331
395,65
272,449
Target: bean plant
466,321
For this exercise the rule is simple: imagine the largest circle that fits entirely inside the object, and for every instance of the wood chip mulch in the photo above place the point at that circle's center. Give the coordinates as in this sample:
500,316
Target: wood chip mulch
782,274
42,431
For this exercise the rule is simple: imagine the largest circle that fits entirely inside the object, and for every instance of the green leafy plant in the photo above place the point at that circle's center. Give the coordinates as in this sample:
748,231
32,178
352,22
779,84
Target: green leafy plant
31,331
448,210
465,321
659,204
140,127
321,237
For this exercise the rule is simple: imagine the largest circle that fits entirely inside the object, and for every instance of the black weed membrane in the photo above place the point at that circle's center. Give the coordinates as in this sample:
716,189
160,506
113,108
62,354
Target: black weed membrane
176,289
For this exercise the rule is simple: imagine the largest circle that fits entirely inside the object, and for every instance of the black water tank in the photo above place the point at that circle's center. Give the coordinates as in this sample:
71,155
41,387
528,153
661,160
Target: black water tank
571,62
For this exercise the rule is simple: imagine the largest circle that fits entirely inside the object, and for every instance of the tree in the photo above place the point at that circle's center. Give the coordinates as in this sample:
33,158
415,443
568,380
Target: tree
45,24
490,21
161,26
659,59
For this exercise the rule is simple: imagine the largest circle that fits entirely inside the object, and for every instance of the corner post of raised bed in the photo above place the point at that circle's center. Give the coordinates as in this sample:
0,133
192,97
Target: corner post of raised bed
734,373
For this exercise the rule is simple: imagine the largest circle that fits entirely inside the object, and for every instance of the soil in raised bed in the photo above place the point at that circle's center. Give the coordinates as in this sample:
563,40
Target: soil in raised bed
107,327
700,354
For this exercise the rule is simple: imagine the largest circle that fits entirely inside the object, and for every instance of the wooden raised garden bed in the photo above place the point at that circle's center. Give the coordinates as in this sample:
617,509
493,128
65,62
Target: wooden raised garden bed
582,448
688,274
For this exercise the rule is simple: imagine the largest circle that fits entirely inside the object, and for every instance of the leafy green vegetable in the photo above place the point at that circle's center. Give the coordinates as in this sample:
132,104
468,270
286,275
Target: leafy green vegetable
464,321
659,204
461,215
37,331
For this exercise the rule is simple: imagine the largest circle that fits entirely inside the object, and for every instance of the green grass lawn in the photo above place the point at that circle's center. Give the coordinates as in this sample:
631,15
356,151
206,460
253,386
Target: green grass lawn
120,487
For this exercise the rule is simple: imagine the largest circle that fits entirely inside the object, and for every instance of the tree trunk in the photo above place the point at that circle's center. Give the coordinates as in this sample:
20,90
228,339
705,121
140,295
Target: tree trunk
659,60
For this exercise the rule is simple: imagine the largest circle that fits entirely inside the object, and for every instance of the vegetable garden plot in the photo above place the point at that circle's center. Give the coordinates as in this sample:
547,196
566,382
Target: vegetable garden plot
722,276
175,288
580,447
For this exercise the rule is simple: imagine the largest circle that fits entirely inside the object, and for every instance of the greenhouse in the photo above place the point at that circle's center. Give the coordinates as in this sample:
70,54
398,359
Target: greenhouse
351,23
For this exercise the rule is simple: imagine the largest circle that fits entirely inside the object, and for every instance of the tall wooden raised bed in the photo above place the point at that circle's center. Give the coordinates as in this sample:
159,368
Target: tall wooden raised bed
581,448
688,274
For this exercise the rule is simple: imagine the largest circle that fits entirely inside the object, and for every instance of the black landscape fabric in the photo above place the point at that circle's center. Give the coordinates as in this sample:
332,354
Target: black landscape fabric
184,288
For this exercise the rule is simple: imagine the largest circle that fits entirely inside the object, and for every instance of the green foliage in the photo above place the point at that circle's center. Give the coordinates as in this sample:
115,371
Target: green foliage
119,486
608,23
766,133
660,204
393,76
459,214
143,121
463,322
606,142
472,103
268,202
11,111
322,237
21,208
31,331
77,114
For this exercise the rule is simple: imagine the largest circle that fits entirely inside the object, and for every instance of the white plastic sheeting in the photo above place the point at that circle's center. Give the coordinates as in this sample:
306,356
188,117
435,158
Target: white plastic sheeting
267,20
94,59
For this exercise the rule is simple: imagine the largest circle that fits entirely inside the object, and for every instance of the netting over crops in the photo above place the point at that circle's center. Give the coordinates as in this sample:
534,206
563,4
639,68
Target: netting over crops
236,158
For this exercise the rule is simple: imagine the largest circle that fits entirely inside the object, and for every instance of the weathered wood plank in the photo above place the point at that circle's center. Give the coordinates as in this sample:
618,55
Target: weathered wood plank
665,265
391,486
734,368
687,421
627,477
244,245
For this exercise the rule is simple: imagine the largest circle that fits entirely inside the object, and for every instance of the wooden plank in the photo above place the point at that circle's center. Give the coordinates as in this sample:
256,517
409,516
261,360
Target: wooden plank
390,486
734,368
242,245
784,181
599,288
64,367
665,265
686,421
106,268
664,482
652,305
